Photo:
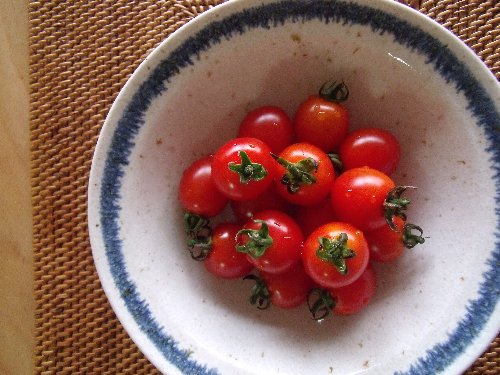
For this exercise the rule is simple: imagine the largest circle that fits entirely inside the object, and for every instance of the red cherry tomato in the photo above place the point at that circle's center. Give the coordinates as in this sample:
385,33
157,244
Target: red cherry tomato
269,200
271,125
354,297
304,174
358,196
321,122
370,147
312,217
335,254
386,245
288,289
197,192
223,260
243,168
272,240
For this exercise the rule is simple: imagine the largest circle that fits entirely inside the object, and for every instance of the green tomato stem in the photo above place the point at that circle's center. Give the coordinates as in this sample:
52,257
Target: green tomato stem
335,251
259,294
297,174
199,235
338,166
411,239
334,92
395,205
320,303
258,242
247,170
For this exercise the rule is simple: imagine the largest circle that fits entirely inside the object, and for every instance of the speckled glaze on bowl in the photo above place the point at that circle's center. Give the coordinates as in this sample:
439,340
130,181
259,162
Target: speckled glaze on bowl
435,310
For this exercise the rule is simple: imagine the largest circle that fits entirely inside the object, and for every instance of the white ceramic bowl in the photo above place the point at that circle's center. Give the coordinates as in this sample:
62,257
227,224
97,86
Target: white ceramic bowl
436,310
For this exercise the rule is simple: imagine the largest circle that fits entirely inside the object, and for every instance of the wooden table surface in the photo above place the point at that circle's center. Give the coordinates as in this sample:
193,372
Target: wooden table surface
16,265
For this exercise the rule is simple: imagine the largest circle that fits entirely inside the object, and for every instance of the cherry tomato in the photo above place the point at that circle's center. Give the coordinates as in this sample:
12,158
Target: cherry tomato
385,244
288,289
354,297
335,254
223,260
243,168
388,244
268,200
358,197
197,192
346,300
370,147
322,122
304,174
271,125
272,240
312,217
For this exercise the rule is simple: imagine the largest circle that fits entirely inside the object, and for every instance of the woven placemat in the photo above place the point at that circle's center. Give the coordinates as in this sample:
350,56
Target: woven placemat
81,54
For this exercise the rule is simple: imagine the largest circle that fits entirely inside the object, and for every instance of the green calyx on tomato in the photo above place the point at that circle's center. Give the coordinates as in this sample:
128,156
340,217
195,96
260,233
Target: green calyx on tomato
297,174
247,170
199,235
334,92
338,166
260,295
258,242
395,205
411,239
320,303
335,251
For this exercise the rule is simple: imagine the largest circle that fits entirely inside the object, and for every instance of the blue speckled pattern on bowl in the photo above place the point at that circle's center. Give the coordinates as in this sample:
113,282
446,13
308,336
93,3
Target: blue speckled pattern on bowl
269,16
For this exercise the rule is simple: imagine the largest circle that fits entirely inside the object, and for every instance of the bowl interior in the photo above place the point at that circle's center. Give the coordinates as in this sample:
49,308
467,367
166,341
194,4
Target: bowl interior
446,153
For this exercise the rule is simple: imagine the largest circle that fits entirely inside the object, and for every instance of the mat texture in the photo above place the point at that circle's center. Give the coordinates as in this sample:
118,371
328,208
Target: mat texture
82,52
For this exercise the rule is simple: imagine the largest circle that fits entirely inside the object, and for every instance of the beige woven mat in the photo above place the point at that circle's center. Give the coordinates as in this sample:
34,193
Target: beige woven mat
82,52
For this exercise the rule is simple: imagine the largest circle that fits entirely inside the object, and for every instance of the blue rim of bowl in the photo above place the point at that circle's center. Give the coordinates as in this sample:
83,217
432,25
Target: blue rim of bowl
267,16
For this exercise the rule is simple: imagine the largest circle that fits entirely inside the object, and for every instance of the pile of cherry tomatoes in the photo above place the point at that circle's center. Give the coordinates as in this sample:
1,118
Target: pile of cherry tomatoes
313,205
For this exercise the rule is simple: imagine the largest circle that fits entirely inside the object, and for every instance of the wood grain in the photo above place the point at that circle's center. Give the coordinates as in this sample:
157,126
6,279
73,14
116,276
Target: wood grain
16,265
